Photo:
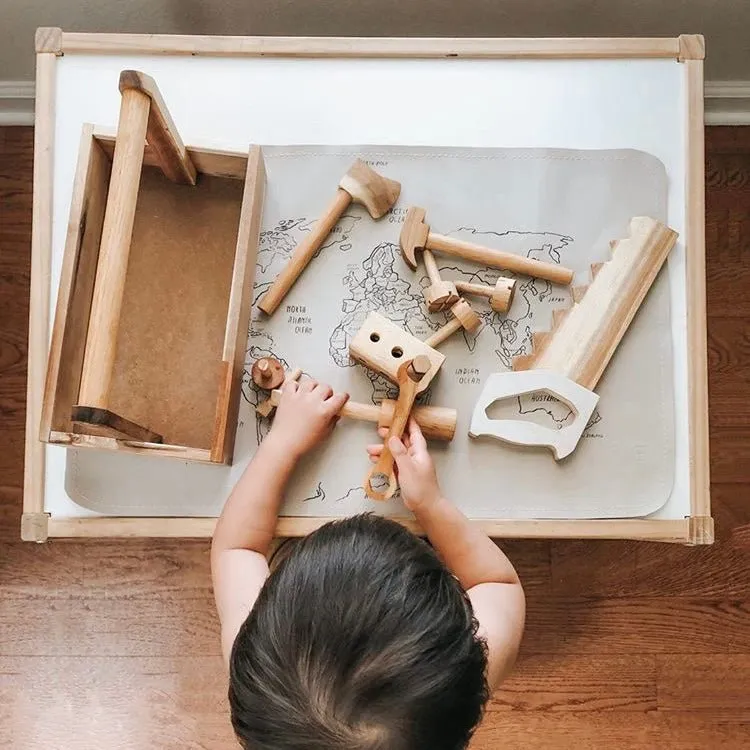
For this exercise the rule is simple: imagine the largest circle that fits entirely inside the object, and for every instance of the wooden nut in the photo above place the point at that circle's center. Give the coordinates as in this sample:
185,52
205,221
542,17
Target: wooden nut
465,314
419,367
268,373
441,296
502,295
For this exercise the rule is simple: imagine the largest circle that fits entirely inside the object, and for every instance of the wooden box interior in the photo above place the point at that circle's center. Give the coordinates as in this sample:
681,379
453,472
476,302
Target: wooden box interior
168,373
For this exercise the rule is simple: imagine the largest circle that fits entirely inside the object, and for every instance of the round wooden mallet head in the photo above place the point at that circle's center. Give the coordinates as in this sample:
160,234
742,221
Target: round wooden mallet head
440,296
267,373
502,294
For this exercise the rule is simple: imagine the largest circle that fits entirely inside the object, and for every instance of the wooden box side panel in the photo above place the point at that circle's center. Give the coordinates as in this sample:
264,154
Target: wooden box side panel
78,272
240,306
174,310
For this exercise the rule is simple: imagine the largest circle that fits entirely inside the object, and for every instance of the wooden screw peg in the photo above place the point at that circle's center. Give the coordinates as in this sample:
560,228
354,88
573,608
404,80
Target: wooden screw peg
463,317
500,295
264,408
268,373
143,115
360,184
437,422
409,375
416,235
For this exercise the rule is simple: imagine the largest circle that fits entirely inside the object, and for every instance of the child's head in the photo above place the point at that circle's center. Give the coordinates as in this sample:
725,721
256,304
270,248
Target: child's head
360,640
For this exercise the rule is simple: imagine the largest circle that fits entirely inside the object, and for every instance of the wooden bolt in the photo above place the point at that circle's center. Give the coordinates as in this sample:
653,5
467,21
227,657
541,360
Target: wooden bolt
416,235
500,295
361,184
268,373
463,317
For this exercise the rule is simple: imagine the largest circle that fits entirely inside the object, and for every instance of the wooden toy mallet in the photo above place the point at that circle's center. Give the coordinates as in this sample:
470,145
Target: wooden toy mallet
361,184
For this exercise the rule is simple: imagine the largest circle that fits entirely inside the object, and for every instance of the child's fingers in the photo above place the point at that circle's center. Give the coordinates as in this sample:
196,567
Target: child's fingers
375,450
416,438
289,386
396,447
324,390
307,386
335,402
383,432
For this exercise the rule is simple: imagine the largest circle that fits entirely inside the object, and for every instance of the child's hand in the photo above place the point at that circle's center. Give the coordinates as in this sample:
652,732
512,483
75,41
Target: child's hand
306,415
416,473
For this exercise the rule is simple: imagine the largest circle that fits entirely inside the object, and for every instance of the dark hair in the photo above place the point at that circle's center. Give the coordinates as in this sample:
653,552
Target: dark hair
361,639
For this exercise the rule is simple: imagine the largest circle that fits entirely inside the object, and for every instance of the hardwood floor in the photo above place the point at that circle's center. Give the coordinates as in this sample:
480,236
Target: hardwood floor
114,645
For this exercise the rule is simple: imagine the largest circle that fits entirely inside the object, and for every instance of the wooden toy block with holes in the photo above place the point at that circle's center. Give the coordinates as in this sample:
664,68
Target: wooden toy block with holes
152,314
569,360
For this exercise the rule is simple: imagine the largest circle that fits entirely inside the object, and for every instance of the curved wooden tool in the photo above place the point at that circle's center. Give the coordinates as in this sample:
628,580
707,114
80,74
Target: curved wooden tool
569,360
361,184
416,235
409,375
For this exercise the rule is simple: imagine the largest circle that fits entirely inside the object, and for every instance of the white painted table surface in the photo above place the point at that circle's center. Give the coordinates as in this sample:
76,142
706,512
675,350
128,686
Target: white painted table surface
583,104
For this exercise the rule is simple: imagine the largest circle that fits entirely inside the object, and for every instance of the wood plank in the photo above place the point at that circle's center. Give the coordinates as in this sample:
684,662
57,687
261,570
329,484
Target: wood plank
41,252
729,371
701,682
636,625
578,683
649,570
173,570
730,453
613,729
114,703
695,272
274,46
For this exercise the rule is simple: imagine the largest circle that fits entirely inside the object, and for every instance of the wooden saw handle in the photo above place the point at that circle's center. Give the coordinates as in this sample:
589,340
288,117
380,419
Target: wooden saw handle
385,465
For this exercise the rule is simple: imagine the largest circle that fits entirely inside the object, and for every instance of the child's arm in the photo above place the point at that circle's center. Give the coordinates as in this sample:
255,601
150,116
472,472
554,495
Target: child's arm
483,570
306,415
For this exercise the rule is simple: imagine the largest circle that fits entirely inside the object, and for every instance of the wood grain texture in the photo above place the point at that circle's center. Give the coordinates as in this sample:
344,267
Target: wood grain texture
114,644
254,46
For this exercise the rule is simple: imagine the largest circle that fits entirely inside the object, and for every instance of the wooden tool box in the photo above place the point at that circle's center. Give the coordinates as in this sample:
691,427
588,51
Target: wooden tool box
171,318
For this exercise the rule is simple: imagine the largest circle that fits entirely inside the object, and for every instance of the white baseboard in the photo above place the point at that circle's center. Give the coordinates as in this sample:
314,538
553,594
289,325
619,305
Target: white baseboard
726,102
16,102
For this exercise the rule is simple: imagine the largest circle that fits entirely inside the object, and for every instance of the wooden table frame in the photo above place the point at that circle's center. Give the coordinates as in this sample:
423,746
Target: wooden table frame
697,528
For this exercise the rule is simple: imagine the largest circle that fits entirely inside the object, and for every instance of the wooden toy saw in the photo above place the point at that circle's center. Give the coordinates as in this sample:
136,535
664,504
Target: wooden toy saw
569,360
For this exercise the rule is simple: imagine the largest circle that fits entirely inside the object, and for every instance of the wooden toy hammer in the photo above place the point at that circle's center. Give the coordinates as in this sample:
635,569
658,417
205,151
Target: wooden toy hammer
416,235
360,184
463,317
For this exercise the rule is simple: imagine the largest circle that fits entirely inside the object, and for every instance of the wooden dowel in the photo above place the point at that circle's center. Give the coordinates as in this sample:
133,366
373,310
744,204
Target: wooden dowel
437,422
431,267
479,289
304,252
161,133
109,286
499,259
443,333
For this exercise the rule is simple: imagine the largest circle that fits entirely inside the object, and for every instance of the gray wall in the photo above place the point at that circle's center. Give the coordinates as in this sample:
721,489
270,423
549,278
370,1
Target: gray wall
725,23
